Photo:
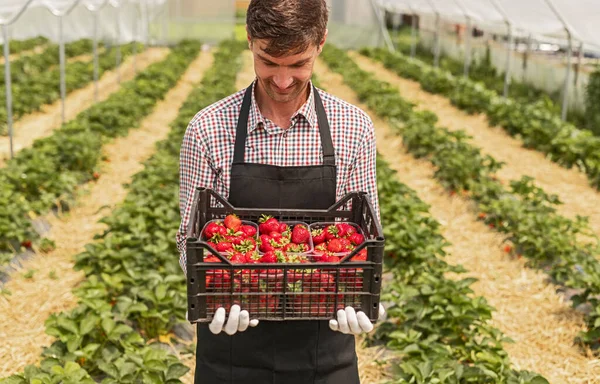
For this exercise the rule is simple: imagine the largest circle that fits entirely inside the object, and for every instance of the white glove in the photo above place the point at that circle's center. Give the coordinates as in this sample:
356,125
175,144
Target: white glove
348,321
238,321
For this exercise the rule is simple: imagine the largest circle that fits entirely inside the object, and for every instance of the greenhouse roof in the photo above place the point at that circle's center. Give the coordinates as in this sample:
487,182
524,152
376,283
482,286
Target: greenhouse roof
551,18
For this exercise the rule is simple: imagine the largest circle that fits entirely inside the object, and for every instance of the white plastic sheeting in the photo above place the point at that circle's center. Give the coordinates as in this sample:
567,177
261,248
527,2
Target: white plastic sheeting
582,17
164,21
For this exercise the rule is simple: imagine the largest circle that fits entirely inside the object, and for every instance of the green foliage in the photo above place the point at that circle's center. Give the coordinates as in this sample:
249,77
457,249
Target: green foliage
439,330
47,174
535,123
524,212
135,290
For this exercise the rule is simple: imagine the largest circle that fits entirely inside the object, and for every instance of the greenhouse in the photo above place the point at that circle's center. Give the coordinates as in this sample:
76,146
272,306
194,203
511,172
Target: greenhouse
294,191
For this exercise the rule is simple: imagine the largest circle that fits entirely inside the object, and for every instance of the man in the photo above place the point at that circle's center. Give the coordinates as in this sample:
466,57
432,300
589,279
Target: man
279,143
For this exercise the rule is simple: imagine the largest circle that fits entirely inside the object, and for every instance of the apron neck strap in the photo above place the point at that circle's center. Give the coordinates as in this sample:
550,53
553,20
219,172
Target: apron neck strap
242,129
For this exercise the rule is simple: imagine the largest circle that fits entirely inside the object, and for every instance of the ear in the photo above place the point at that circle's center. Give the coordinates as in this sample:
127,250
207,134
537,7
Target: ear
248,38
322,43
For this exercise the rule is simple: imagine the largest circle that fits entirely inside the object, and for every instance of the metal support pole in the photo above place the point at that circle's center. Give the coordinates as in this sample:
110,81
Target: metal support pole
118,42
383,30
95,10
413,36
468,34
8,87
96,70
579,65
526,58
436,58
565,95
508,61
165,25
133,38
7,75
61,54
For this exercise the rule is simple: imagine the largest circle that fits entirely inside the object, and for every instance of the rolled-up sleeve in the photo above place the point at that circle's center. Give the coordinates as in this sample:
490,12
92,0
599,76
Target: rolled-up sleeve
364,173
194,171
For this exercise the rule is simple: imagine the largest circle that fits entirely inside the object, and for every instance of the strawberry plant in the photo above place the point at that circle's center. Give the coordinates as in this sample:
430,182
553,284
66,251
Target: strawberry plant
17,46
439,330
44,88
134,289
72,152
535,123
524,212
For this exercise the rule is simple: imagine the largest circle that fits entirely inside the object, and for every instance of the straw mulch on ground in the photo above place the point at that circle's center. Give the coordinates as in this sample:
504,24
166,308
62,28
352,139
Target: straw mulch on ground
23,312
572,186
527,309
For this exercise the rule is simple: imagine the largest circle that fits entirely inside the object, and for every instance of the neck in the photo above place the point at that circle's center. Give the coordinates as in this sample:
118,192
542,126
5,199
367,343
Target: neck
279,112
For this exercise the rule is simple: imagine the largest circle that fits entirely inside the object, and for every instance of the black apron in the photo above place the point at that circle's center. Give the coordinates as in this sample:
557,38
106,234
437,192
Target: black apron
279,352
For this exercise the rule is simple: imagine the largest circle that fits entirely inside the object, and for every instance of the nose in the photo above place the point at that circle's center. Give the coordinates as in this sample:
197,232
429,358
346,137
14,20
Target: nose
282,79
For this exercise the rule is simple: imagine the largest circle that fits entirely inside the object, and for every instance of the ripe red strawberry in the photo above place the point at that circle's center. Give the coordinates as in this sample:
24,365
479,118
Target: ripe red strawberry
265,243
346,244
26,243
283,227
327,258
224,246
211,230
342,229
238,258
222,230
360,256
276,236
235,240
507,248
211,259
318,236
481,216
331,232
233,222
356,238
300,234
268,224
252,257
268,257
249,230
335,246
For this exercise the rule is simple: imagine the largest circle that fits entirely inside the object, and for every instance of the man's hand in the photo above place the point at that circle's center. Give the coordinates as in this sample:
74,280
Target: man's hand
238,321
350,322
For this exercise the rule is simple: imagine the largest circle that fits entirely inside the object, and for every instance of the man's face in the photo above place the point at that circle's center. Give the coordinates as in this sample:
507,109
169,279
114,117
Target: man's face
283,78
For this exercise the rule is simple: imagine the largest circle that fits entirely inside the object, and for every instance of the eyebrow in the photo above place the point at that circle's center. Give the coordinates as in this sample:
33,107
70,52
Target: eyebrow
300,62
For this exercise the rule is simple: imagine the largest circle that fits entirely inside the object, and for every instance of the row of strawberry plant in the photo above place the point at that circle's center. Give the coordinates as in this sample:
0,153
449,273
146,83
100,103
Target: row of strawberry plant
534,123
440,332
483,71
524,212
47,174
25,67
30,95
18,46
135,290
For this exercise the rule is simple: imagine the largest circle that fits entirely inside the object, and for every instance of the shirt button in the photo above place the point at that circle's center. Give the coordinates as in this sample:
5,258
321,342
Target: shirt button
284,135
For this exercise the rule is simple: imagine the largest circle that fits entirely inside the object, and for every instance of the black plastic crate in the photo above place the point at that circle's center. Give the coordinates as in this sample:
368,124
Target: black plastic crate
284,291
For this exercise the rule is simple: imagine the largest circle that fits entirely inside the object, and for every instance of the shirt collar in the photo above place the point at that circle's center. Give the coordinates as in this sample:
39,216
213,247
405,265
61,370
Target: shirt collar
307,110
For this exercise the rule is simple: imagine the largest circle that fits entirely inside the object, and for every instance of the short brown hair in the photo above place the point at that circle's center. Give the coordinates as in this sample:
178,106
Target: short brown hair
290,26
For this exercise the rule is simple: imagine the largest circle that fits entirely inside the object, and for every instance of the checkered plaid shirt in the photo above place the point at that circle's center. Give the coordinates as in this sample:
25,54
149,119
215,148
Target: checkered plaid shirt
207,149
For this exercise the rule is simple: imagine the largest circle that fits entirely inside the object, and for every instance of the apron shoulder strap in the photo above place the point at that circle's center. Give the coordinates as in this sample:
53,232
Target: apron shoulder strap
241,131
326,142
